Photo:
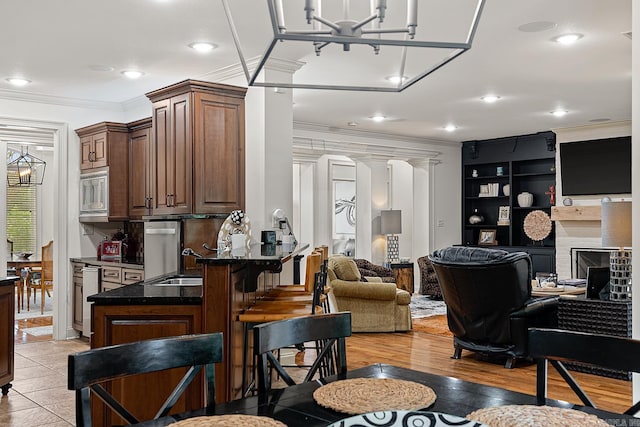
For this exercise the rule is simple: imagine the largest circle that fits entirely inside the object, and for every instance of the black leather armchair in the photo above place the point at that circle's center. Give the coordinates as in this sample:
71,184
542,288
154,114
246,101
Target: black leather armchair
489,303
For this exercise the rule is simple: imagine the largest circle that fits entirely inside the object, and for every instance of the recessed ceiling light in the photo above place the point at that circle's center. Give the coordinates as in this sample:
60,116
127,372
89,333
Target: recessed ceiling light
132,74
567,38
202,46
378,118
17,81
450,128
489,99
353,124
396,79
560,113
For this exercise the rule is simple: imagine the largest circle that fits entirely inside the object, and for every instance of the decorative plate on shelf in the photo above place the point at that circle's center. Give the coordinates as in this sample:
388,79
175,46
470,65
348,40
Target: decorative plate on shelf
404,419
537,225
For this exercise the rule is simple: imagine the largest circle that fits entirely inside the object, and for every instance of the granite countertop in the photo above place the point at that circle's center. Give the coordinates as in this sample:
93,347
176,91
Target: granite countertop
256,253
135,264
8,281
148,293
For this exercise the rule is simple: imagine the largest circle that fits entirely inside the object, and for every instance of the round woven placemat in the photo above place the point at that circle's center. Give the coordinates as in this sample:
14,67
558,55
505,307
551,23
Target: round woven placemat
361,395
534,416
231,420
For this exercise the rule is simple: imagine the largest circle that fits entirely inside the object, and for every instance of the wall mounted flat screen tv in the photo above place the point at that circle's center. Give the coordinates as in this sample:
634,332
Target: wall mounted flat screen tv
596,167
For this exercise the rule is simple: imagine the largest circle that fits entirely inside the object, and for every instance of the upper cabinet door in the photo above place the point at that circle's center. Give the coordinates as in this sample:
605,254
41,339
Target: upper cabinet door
219,153
139,171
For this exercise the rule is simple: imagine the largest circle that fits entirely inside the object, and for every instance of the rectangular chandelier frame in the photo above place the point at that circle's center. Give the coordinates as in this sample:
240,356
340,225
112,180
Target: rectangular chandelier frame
280,34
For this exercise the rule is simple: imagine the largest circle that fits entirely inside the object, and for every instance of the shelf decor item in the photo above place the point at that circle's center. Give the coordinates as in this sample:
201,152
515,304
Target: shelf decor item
504,215
537,225
487,238
616,232
476,218
525,199
506,190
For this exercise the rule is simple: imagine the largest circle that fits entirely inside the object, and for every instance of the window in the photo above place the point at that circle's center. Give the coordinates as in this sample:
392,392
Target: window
22,218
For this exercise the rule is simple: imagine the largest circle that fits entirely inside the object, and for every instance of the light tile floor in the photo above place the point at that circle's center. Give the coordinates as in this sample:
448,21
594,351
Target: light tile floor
39,396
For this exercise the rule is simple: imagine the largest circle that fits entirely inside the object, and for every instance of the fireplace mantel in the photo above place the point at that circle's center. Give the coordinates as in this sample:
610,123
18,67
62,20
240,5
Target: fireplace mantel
575,213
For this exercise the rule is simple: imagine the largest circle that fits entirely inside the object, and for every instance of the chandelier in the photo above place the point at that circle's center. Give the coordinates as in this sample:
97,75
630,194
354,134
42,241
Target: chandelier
366,45
25,169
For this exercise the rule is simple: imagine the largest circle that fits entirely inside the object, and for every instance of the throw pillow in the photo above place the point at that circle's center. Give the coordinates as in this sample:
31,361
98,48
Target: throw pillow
345,268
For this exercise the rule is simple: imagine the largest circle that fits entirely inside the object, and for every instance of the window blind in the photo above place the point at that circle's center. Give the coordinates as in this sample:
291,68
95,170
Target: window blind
22,218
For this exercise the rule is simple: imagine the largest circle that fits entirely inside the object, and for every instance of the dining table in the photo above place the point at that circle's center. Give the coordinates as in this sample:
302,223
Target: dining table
23,269
295,405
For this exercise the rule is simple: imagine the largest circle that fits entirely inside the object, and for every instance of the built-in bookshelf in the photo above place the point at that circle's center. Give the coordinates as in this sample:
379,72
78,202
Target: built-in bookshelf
494,173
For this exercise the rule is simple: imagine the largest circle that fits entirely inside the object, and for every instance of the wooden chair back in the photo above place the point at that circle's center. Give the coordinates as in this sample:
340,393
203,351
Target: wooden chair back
47,264
314,261
88,369
329,329
556,346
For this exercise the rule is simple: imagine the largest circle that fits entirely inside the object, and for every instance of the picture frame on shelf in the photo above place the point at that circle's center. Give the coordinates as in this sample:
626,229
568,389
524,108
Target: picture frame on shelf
487,238
484,190
504,215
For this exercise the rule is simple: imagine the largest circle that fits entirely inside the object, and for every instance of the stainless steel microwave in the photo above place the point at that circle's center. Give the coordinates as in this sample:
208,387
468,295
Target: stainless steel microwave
94,195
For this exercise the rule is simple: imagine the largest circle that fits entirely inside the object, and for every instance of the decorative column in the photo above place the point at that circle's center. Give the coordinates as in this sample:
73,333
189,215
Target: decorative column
372,196
424,217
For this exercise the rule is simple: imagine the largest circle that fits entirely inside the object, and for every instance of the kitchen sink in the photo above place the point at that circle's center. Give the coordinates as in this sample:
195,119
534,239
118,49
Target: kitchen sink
180,281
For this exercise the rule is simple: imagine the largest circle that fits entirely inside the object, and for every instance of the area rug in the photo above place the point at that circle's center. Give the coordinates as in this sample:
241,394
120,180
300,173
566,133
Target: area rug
424,306
434,325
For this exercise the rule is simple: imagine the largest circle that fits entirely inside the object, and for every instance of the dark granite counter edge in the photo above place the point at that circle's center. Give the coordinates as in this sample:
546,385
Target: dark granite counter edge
8,281
136,264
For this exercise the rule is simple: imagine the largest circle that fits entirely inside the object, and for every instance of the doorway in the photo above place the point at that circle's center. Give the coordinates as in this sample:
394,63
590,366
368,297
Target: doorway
16,132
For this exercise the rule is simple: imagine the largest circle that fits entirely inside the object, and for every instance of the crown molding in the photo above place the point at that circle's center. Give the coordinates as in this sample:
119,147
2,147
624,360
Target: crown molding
59,100
236,70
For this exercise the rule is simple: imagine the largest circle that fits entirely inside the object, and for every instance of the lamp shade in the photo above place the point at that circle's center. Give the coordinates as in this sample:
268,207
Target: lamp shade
391,222
616,224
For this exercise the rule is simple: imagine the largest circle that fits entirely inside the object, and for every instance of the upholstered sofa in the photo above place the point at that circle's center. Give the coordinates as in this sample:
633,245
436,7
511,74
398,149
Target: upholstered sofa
370,270
375,306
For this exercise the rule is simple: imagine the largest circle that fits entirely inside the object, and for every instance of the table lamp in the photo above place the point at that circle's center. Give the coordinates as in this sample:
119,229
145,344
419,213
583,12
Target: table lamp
616,232
391,225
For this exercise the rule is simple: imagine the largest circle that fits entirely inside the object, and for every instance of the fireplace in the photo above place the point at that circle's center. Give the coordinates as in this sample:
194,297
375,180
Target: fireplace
582,258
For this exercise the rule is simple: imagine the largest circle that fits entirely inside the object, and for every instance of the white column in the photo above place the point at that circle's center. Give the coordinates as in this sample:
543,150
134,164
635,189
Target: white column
635,179
372,196
423,210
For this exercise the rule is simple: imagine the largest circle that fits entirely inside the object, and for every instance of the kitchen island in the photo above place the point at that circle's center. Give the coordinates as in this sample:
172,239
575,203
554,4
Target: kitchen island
147,310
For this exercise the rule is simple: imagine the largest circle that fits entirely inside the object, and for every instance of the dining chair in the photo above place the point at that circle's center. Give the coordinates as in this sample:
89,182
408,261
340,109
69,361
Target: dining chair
330,329
42,280
88,370
556,346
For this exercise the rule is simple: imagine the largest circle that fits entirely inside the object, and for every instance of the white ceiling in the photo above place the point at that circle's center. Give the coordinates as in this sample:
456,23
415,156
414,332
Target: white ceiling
55,44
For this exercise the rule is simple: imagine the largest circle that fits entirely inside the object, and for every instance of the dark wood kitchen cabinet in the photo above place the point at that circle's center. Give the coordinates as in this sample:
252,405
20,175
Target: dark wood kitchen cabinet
102,144
140,155
104,150
198,148
7,314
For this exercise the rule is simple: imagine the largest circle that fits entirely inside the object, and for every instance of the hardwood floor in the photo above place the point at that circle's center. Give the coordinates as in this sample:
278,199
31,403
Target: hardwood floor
415,350
432,353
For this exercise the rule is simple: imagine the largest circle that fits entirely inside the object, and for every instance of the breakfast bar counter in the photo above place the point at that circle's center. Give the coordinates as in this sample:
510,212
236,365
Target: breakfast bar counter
153,309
